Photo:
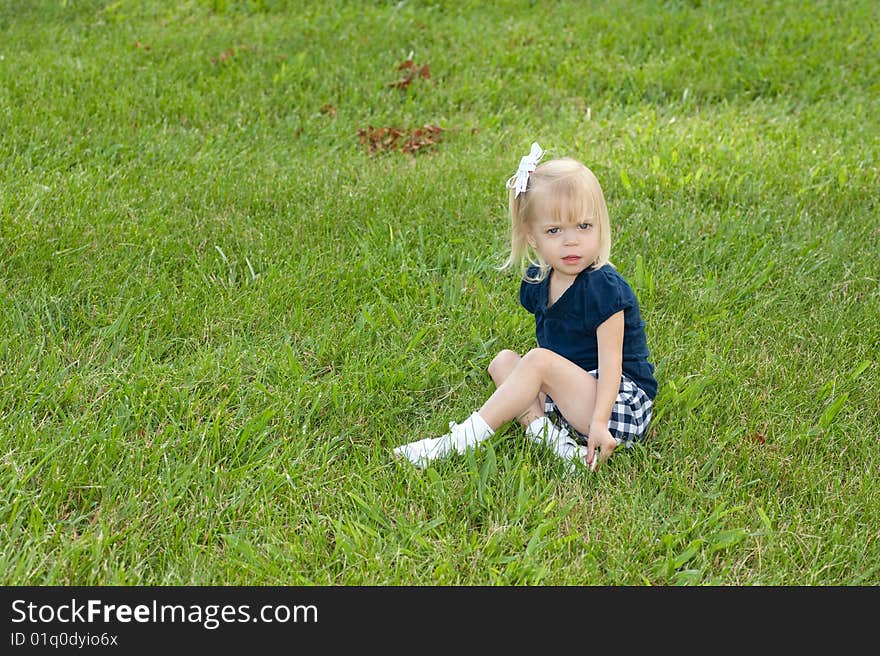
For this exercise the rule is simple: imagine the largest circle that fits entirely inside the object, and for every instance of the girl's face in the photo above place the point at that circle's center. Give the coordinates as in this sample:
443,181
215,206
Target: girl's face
567,247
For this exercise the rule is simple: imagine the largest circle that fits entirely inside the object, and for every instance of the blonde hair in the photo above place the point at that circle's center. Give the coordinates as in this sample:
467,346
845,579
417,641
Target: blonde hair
566,191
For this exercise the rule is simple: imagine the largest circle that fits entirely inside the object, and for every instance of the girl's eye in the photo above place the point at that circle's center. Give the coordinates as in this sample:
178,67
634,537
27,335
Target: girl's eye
585,226
552,231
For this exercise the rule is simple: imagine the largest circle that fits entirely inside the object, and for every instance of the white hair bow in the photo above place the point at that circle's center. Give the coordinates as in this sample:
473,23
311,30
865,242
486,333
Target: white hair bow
520,180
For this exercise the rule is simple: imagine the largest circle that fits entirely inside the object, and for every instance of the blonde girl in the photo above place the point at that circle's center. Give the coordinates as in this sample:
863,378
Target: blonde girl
589,385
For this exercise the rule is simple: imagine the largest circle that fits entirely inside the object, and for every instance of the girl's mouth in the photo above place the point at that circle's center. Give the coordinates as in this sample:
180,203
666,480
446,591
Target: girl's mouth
571,259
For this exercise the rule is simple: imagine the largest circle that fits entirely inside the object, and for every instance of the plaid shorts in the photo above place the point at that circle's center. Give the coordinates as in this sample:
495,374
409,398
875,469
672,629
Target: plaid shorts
629,417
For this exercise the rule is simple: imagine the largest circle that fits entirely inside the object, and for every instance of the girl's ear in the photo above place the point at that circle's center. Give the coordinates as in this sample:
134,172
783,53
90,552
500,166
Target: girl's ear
531,239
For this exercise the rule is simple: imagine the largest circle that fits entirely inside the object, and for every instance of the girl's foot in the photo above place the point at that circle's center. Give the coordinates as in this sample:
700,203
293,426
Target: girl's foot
460,437
544,432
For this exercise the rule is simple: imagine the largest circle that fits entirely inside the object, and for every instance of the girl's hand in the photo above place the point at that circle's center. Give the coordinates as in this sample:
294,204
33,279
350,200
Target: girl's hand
600,445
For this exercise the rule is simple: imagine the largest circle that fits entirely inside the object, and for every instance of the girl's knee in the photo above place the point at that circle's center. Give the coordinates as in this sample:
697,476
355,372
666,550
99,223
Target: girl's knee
538,356
539,360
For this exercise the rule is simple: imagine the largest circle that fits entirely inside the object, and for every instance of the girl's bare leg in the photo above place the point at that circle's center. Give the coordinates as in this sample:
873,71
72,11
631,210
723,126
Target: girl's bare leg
522,386
541,371
500,368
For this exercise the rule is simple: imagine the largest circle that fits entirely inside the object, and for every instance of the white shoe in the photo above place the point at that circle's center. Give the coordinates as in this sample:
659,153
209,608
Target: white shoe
422,452
544,432
576,458
459,439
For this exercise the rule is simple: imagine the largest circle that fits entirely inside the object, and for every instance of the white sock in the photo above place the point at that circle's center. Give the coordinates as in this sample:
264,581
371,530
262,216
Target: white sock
471,432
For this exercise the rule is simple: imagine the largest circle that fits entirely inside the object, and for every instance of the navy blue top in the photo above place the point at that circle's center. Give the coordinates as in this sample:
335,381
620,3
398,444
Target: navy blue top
568,327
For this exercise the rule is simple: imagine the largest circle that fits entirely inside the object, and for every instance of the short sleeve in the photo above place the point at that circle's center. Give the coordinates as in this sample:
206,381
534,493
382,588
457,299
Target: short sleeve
606,294
528,292
527,295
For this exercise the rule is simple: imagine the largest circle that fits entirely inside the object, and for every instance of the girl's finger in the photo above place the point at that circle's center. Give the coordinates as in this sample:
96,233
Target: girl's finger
591,453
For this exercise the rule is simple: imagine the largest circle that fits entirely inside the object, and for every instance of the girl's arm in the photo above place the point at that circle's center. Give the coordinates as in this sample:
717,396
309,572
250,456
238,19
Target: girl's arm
609,336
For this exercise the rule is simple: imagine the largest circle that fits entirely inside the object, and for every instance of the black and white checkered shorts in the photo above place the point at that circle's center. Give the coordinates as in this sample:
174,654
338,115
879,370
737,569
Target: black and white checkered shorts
629,417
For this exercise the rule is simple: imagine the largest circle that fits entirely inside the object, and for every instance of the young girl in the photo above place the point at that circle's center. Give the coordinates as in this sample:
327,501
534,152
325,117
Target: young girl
589,385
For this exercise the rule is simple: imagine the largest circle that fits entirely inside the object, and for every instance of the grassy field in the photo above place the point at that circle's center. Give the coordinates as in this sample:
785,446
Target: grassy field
219,310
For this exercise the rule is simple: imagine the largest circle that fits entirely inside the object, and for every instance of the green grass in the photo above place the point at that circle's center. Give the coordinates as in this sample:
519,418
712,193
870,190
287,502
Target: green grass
219,313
